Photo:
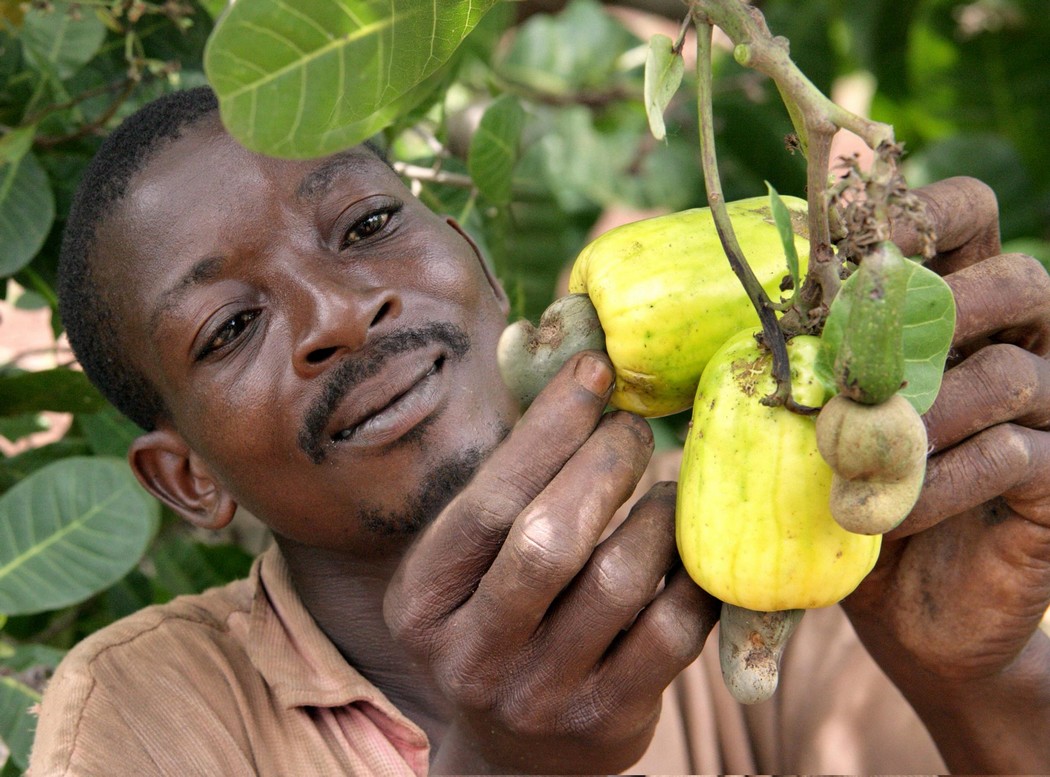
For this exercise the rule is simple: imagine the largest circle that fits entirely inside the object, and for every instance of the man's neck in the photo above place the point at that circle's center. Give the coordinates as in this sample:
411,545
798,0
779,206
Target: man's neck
345,597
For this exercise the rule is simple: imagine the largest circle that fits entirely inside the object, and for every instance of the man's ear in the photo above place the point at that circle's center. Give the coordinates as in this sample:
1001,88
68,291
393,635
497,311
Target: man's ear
497,288
170,470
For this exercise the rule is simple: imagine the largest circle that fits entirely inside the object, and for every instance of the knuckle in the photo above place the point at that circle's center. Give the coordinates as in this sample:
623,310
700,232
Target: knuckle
1036,277
467,686
612,713
634,424
676,634
545,546
1007,373
410,622
620,582
1004,449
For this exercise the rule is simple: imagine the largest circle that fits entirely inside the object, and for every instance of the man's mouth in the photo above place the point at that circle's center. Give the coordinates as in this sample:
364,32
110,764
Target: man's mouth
393,407
385,392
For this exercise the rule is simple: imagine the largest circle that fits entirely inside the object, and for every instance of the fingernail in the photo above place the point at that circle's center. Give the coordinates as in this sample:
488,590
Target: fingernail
594,374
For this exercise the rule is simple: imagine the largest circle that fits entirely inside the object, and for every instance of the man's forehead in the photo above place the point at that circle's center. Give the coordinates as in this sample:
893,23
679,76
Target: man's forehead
206,148
319,180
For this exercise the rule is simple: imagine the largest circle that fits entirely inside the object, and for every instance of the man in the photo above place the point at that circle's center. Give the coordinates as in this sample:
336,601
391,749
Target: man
305,340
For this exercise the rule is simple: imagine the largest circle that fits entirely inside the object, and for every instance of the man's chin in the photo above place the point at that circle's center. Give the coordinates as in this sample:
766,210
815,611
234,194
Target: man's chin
444,480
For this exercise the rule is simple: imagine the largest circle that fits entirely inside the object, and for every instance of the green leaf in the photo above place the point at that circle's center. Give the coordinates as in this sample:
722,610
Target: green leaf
16,468
187,567
59,41
30,656
929,323
215,8
108,432
577,50
27,204
16,427
583,166
16,722
16,143
664,68
70,530
302,80
494,148
60,390
782,218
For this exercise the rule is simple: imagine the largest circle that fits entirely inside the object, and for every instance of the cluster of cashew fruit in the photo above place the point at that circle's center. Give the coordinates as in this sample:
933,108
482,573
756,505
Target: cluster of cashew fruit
777,513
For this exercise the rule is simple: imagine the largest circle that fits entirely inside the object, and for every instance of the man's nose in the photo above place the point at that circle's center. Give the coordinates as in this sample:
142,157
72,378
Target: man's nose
337,316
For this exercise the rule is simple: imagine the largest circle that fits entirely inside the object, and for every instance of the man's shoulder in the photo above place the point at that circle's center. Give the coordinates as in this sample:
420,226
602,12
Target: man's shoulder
215,619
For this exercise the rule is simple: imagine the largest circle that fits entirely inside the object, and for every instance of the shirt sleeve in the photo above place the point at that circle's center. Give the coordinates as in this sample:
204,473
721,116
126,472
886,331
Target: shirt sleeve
94,722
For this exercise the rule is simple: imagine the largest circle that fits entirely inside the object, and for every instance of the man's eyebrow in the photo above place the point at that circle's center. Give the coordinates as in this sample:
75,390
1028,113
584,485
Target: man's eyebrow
319,180
202,271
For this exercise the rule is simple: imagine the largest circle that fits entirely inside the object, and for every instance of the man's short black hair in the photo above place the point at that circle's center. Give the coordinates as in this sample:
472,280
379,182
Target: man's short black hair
85,307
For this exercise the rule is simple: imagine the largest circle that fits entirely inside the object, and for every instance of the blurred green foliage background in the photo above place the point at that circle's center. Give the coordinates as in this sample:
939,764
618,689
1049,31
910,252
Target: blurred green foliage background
965,84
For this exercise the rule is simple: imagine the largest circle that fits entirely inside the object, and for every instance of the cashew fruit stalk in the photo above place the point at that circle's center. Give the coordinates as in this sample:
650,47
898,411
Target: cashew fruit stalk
667,298
754,526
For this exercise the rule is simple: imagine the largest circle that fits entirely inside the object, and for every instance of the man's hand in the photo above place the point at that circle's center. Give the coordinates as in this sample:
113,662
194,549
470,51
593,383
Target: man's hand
953,607
553,647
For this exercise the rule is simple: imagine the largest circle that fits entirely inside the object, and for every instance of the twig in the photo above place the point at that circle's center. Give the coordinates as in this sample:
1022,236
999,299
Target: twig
45,141
47,110
772,334
816,119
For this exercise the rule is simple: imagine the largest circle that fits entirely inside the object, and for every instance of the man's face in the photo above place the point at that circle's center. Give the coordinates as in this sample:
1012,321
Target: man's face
323,341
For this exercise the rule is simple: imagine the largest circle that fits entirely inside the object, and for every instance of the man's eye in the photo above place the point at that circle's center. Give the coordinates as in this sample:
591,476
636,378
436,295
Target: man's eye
366,227
228,332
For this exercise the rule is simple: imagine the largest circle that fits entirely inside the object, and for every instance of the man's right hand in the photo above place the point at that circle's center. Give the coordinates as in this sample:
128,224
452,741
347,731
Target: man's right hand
553,646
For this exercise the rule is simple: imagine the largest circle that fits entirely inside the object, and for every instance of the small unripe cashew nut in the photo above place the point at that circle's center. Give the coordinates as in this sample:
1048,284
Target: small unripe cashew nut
529,356
878,454
874,507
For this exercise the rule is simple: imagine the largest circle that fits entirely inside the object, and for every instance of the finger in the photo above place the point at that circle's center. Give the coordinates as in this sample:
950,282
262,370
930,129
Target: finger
666,637
1005,297
996,384
1006,460
555,536
965,218
622,576
444,565
664,465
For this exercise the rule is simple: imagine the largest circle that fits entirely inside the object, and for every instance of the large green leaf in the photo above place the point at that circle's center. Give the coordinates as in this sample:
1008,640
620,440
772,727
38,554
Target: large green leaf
27,204
929,323
576,51
16,722
301,80
494,149
15,468
184,566
70,530
108,432
60,390
62,38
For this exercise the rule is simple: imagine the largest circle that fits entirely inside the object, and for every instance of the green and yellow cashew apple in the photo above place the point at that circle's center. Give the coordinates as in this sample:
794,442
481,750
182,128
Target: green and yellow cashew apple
754,525
666,299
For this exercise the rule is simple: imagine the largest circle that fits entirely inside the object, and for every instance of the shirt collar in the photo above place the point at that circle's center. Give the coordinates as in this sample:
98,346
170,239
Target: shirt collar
296,658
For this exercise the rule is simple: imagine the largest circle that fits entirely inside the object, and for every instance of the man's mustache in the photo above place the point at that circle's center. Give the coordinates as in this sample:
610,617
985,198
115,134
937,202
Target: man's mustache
346,376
